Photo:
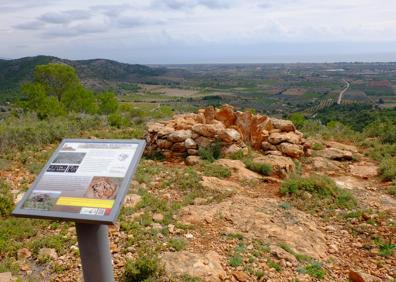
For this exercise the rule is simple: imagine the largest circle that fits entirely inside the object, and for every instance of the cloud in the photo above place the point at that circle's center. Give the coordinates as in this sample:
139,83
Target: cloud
111,10
32,25
189,4
77,30
64,16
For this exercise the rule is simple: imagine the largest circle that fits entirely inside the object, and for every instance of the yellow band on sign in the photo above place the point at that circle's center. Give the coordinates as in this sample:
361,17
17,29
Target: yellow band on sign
85,202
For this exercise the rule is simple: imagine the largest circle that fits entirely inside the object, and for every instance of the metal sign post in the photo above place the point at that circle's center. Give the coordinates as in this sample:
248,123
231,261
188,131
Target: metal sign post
85,181
95,253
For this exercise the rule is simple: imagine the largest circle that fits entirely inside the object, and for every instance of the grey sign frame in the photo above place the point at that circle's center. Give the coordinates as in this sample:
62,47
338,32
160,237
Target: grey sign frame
81,218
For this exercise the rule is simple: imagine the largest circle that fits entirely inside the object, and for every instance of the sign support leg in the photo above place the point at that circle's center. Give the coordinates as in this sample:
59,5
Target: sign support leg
96,261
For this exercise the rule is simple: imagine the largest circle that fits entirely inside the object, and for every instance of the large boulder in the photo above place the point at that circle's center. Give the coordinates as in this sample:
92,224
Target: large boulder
226,115
283,125
281,166
279,137
179,135
336,154
243,122
209,114
159,128
260,126
204,266
229,135
208,130
291,150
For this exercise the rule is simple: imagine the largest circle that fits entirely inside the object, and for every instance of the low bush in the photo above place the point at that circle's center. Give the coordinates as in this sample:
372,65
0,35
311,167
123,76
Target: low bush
261,168
144,268
388,168
212,152
316,192
6,199
313,269
210,169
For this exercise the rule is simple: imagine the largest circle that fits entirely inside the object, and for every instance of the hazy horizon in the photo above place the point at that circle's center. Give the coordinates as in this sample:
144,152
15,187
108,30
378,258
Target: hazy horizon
201,31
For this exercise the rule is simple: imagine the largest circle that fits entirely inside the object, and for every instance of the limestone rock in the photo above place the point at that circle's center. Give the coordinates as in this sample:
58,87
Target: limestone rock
234,149
266,146
281,165
179,147
209,114
241,276
221,185
290,137
192,160
238,169
229,135
6,277
164,144
190,143
207,130
226,115
47,253
335,154
132,200
179,135
159,129
291,150
203,141
243,122
283,125
341,146
158,217
363,170
204,266
23,253
259,130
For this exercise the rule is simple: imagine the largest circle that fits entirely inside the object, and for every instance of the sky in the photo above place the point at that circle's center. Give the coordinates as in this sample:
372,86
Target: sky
200,31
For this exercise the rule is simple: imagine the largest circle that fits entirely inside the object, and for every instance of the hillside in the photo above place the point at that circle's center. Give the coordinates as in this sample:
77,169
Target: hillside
221,195
96,73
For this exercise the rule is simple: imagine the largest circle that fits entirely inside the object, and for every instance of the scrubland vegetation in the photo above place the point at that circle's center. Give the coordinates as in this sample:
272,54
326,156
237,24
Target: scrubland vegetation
57,106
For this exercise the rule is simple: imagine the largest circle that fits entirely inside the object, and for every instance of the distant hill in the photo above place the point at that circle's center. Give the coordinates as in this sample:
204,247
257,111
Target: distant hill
97,74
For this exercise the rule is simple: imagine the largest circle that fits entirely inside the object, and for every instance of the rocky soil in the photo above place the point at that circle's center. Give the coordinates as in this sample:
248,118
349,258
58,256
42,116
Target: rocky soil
240,227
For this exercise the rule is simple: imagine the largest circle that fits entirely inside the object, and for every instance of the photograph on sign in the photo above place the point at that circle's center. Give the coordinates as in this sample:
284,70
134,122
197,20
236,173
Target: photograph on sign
82,178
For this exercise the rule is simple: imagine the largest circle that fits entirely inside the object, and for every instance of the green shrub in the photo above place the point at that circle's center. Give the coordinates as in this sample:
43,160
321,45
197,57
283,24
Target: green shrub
261,168
212,152
388,168
210,169
144,268
235,260
6,199
117,120
322,189
392,190
177,243
313,269
384,129
239,155
274,265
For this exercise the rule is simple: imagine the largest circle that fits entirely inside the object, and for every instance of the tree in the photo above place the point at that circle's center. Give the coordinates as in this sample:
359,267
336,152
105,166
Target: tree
39,102
79,100
108,103
298,119
56,79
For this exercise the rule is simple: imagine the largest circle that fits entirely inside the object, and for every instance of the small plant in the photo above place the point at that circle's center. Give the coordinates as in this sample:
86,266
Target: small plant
6,199
177,243
313,269
236,260
392,190
385,248
388,168
212,152
144,268
210,169
317,146
261,168
285,206
238,155
274,265
322,190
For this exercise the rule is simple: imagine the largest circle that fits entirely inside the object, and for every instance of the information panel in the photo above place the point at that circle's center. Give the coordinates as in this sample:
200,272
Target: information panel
84,181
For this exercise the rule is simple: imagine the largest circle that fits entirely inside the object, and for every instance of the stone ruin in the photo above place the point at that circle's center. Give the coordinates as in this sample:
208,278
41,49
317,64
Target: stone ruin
185,134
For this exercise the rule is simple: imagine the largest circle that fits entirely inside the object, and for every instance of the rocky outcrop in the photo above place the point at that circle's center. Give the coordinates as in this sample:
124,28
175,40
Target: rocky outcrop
207,266
185,134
